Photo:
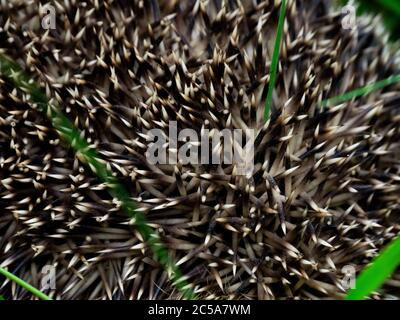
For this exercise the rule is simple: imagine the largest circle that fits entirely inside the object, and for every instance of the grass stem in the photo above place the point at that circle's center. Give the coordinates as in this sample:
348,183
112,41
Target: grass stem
275,61
24,285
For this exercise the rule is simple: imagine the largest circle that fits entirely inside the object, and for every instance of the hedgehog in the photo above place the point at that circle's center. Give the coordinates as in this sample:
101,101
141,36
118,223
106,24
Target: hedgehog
323,190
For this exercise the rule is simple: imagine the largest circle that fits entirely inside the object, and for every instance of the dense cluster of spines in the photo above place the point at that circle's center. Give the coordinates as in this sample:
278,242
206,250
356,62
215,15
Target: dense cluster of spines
324,190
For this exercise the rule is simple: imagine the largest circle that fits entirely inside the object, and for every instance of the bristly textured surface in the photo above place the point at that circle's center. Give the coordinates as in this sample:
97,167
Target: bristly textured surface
324,192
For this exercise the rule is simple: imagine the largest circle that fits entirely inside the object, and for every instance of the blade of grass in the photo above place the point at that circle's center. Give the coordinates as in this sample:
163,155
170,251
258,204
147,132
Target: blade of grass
390,5
360,91
89,155
275,60
375,274
24,285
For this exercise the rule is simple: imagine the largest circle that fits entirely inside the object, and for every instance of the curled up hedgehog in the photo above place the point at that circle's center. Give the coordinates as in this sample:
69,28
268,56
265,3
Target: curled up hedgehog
324,190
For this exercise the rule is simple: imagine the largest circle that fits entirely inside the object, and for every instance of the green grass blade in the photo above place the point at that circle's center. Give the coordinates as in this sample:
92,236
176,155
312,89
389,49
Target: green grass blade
360,91
390,5
375,274
274,61
90,156
24,285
